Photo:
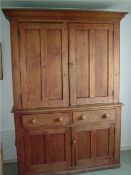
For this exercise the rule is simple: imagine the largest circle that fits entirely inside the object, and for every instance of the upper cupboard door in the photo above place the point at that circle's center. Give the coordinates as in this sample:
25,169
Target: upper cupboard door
91,63
43,64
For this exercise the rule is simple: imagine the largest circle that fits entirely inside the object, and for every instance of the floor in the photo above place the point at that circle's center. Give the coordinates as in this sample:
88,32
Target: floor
11,169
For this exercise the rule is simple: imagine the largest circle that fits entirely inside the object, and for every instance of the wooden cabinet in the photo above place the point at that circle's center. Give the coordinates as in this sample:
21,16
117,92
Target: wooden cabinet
66,90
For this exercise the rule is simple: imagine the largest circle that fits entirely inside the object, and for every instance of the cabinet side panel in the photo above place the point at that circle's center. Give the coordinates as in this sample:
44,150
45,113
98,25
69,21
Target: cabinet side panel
118,135
15,64
116,62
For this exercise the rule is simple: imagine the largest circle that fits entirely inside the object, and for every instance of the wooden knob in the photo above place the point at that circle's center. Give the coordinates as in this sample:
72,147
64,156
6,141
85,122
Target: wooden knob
107,115
82,117
74,141
60,119
33,121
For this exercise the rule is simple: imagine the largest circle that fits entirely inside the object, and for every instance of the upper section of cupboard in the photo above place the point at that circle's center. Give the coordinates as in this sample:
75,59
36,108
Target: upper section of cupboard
63,58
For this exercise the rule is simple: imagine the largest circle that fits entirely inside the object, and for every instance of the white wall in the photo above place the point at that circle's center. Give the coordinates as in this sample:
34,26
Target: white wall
125,84
8,134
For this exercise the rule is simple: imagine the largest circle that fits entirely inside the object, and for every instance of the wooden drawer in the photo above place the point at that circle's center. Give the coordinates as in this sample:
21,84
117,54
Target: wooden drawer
93,116
40,120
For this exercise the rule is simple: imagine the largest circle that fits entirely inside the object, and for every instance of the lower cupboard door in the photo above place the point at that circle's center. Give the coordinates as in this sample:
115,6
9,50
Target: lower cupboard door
93,145
47,150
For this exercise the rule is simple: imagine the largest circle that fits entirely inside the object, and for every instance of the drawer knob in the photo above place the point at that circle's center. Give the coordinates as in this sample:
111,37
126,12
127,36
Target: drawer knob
60,119
107,115
82,117
74,141
33,121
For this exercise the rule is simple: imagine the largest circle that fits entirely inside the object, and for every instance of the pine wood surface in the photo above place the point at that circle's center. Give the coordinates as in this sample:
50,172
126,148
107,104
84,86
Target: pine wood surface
66,89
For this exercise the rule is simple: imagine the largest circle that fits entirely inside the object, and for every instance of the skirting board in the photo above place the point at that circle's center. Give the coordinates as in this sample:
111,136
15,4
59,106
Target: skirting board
124,148
10,161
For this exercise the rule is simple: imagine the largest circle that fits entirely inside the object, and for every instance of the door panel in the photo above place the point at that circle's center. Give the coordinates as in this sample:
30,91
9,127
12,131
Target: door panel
56,145
94,145
37,149
82,63
84,145
33,74
101,63
91,63
102,142
43,64
105,140
53,63
47,149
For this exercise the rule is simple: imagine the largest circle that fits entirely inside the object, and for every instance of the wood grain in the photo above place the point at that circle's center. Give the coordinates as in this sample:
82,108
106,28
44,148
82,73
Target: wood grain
91,61
66,90
64,14
15,64
116,61
40,120
47,149
43,65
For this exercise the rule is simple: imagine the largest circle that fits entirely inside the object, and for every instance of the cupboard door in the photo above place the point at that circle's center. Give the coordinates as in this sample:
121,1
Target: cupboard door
93,145
43,64
91,63
47,149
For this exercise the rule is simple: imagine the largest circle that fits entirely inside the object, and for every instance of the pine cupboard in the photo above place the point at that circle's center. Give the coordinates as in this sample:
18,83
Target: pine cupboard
66,90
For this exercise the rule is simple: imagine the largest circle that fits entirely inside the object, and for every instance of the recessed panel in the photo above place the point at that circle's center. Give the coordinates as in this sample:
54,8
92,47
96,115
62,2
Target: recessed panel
102,143
54,64
44,65
84,144
101,63
37,147
56,148
82,63
33,64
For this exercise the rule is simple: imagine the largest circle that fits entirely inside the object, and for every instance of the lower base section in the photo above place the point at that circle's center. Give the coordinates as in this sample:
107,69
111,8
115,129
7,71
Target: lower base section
83,170
68,141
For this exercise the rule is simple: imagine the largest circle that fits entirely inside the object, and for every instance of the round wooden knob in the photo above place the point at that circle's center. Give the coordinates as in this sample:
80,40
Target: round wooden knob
74,141
82,117
107,115
60,119
33,121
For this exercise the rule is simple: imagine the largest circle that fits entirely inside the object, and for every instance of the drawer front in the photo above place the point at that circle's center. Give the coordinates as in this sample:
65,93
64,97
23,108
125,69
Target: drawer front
40,120
93,116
